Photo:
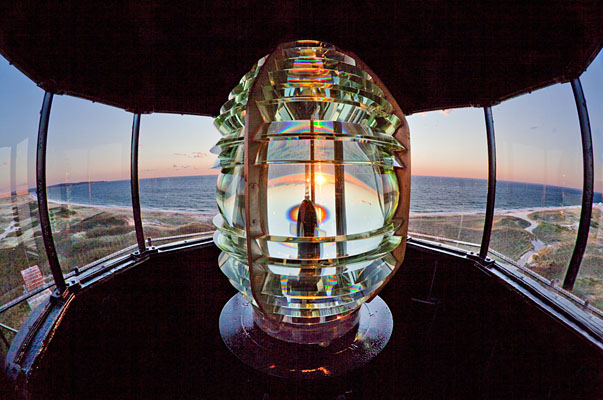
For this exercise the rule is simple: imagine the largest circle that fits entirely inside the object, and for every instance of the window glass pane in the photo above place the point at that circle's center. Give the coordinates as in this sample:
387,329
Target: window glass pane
177,182
88,171
21,247
589,283
539,181
449,176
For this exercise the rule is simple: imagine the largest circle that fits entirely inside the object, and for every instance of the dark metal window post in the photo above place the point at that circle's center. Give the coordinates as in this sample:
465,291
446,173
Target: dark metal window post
483,252
134,184
587,189
51,253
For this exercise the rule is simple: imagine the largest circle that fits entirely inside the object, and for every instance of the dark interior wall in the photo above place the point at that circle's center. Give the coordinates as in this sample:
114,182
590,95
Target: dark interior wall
154,56
152,332
486,340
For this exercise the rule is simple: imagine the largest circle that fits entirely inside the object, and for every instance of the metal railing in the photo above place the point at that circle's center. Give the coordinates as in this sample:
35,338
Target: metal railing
183,239
507,262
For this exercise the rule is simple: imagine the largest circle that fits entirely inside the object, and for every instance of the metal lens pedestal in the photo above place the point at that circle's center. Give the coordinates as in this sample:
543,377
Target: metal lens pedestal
263,352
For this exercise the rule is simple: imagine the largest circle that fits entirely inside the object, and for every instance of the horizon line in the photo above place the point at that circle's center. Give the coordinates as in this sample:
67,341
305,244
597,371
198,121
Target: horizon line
192,176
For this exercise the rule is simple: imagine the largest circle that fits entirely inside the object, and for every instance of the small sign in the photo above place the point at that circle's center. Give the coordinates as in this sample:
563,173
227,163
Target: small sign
32,277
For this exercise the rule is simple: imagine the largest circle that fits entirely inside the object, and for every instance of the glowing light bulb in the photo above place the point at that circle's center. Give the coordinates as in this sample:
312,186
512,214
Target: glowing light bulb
320,179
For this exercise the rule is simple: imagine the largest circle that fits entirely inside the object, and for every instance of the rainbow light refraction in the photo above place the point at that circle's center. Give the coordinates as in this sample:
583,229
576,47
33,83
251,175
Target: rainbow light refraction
321,213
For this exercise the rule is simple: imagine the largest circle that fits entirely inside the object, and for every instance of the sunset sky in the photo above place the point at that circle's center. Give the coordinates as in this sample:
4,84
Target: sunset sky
537,138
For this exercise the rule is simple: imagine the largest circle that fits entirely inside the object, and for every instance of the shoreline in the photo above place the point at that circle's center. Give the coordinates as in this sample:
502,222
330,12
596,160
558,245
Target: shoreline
149,216
507,211
125,208
207,216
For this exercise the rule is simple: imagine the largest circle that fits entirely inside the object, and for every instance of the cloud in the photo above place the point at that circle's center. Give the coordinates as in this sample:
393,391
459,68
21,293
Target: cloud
534,127
176,166
194,154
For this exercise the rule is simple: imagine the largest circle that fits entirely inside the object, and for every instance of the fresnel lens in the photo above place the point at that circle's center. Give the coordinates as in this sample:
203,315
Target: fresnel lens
313,195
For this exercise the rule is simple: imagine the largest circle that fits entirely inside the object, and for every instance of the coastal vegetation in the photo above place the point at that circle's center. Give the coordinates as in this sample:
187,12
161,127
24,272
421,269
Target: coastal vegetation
551,262
552,233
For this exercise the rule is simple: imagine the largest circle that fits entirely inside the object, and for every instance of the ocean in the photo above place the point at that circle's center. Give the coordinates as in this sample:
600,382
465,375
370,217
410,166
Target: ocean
428,194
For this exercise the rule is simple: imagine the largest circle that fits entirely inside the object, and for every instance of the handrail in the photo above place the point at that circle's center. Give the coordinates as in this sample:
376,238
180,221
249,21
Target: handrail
183,236
510,263
8,328
19,300
549,284
444,239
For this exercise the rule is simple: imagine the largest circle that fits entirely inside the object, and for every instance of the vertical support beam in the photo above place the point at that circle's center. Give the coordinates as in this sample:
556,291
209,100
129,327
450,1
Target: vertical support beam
13,191
587,188
135,190
13,171
51,253
13,194
340,212
483,252
255,189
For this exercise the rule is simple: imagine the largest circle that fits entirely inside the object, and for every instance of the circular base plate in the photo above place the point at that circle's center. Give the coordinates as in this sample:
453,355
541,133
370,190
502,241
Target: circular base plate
304,361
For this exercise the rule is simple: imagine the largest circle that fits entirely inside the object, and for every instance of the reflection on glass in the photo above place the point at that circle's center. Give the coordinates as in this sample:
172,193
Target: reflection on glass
23,265
538,193
589,282
88,170
448,186
177,183
329,191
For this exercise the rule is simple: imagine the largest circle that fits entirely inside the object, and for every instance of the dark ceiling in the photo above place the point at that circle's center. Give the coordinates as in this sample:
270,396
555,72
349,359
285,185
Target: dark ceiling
185,57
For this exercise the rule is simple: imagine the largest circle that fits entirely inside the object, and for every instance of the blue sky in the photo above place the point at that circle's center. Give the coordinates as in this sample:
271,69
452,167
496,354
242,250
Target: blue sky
537,138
